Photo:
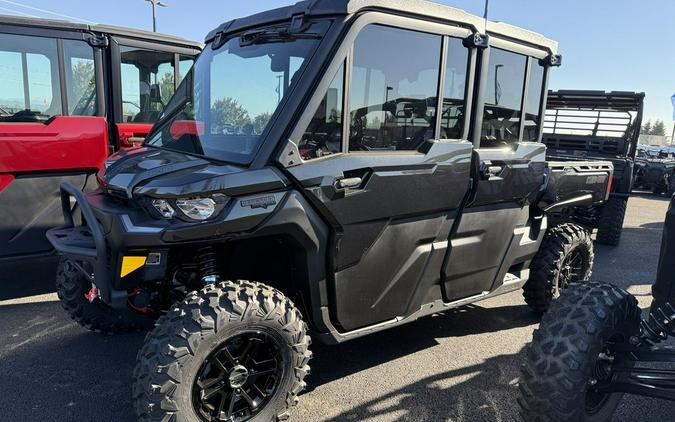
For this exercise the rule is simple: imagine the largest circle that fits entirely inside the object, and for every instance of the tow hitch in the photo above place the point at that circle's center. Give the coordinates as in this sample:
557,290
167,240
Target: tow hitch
92,294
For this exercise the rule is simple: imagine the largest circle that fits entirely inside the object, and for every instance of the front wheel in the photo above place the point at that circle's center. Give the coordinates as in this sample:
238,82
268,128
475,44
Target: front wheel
73,287
565,256
234,351
570,357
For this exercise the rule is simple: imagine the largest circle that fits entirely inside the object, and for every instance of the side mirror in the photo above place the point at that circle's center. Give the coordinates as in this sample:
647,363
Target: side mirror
186,127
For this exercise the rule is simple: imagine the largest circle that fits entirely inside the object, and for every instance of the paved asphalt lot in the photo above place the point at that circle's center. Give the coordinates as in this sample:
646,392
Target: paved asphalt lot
457,366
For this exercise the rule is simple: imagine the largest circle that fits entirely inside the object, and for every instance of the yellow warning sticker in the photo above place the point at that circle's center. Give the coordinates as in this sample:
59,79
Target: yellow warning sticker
131,263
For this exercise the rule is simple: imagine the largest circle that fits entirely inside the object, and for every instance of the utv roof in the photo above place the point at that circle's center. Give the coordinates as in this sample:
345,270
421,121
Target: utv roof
6,20
419,8
597,100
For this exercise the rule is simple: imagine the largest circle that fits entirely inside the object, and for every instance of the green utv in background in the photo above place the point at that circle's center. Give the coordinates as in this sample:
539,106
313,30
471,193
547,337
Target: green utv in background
655,170
597,125
342,167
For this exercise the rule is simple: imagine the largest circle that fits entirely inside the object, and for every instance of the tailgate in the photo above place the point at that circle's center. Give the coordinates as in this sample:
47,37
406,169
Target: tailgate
572,179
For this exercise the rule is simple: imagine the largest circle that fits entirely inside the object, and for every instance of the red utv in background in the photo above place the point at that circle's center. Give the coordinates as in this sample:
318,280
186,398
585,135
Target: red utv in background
70,94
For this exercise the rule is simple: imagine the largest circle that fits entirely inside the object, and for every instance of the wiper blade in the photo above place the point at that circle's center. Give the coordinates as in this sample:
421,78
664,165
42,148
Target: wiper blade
274,35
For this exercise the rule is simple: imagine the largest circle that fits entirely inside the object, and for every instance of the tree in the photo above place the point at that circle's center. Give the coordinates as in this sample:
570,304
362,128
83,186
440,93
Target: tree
647,128
83,84
228,115
167,87
659,128
260,122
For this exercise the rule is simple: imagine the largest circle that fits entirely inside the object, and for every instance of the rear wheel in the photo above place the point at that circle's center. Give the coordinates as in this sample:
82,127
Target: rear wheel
565,256
571,355
671,185
235,351
611,221
73,287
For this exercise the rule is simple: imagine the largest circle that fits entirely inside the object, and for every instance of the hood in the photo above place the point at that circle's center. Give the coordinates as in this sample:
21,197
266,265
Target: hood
156,172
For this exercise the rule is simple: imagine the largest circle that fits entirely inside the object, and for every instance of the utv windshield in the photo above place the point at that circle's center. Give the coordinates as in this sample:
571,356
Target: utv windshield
224,104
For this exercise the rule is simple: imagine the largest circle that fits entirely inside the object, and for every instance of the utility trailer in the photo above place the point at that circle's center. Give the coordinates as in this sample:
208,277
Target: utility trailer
390,167
70,94
597,125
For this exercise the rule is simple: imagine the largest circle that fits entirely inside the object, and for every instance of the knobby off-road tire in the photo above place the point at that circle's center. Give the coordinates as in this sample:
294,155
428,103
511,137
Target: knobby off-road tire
550,270
72,285
561,361
671,185
611,221
198,336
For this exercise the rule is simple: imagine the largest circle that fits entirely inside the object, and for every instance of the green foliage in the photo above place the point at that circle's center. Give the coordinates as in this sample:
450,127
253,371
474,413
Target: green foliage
228,116
167,87
647,128
83,78
260,122
659,128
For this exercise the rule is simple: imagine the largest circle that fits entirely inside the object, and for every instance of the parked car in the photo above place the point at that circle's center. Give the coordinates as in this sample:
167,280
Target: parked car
385,164
69,95
597,125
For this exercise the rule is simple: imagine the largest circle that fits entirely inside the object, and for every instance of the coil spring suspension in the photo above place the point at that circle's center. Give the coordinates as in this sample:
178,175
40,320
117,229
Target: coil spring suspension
207,265
659,324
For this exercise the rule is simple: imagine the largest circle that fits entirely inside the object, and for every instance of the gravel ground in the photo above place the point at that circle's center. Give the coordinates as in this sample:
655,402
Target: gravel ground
461,365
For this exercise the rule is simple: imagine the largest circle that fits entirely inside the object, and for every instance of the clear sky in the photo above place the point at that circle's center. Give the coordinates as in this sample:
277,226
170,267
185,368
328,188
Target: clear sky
607,44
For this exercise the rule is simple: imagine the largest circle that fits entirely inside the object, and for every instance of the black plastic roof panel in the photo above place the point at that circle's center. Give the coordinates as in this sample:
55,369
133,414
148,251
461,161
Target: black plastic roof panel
104,29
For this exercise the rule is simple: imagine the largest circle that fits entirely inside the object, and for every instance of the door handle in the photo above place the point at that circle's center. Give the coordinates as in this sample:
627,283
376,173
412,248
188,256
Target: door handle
491,171
349,183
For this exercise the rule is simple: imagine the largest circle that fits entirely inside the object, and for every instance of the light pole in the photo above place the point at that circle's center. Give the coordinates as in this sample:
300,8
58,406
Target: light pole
154,4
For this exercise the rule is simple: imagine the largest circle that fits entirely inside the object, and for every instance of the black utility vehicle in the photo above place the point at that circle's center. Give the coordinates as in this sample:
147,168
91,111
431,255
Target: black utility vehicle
597,125
365,162
592,347
655,170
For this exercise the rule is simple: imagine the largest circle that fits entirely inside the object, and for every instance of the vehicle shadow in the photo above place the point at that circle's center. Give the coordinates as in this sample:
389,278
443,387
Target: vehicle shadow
332,362
487,394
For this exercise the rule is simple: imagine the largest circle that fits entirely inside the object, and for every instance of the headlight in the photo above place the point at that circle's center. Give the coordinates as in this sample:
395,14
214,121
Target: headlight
163,207
197,208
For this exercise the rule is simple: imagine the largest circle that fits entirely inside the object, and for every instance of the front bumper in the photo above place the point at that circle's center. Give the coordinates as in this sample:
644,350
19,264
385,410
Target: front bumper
125,247
111,244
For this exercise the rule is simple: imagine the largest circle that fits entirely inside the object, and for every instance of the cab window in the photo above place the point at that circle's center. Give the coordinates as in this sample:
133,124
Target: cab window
80,78
184,65
452,116
323,135
29,79
147,81
503,98
393,91
535,85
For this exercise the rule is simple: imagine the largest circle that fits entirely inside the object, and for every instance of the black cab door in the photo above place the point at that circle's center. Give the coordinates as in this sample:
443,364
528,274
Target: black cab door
497,234
387,162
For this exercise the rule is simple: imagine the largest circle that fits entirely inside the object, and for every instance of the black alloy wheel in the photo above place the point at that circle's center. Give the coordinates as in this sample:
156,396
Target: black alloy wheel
239,378
565,256
571,271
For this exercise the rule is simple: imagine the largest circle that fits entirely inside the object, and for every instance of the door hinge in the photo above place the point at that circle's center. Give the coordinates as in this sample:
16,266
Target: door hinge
97,40
477,40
